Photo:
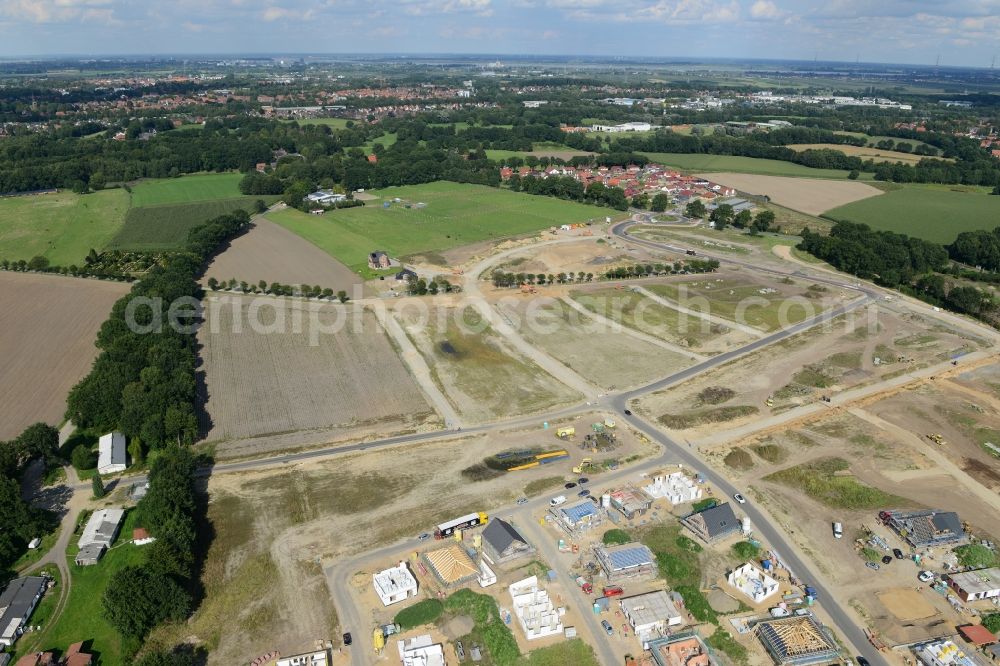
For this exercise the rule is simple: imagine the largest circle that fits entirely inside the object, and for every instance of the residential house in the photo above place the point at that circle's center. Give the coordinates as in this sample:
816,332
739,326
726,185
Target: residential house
37,659
944,652
502,543
325,197
395,584
98,535
650,615
318,658
926,527
112,453
17,603
451,565
676,488
578,517
405,275
378,260
75,656
141,536
753,582
534,610
796,641
628,561
975,585
631,502
977,634
686,649
420,651
714,523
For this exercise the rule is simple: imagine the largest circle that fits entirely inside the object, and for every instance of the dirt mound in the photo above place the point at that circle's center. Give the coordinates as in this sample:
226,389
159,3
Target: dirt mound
458,626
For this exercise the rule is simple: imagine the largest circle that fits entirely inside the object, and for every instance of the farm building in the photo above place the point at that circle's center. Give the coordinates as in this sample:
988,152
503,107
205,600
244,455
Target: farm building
977,634
141,536
651,614
325,197
90,555
420,651
944,653
317,658
75,656
17,603
452,565
626,562
796,641
111,453
676,488
684,649
714,523
395,584
37,659
631,502
102,528
502,543
578,517
753,582
534,610
924,528
378,260
975,585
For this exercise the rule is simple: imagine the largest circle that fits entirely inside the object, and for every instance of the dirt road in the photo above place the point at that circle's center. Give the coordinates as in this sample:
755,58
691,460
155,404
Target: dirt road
673,305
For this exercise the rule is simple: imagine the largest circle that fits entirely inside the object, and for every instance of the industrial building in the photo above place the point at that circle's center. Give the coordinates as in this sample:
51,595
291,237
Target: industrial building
502,543
975,585
395,584
17,603
684,649
651,614
628,561
631,502
451,565
753,582
676,488
796,641
578,517
925,528
534,610
420,651
714,523
112,453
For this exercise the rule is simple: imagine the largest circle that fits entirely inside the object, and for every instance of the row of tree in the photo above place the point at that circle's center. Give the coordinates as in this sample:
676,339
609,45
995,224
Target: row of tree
277,289
978,248
567,187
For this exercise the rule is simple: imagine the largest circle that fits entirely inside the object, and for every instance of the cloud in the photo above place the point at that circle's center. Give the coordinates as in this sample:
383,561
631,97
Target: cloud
275,13
430,7
57,11
765,9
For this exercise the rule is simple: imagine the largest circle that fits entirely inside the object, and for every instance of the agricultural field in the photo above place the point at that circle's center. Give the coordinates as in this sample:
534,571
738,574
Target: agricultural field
454,215
592,348
63,227
482,376
811,196
738,164
931,213
166,226
272,253
872,140
48,341
865,153
298,382
186,189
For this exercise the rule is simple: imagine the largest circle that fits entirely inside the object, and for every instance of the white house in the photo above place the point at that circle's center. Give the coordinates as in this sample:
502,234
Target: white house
112,454
395,584
753,582
420,651
651,614
534,610
676,488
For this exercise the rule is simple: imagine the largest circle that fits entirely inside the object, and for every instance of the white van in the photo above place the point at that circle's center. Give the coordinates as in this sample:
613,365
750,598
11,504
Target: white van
838,530
556,501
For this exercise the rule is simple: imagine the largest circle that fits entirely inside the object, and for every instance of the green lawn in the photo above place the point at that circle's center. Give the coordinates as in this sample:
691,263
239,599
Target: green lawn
166,226
62,227
83,617
737,164
197,187
336,123
455,215
931,213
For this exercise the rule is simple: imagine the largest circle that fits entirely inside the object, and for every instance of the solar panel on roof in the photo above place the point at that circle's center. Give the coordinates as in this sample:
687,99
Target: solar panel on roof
631,557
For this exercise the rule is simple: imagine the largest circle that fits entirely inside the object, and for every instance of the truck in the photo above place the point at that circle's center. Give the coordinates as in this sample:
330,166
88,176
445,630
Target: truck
447,529
557,500
613,591
564,433
587,587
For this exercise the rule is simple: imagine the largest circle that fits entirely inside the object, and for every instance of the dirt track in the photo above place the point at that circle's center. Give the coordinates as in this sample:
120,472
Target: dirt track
48,342
808,195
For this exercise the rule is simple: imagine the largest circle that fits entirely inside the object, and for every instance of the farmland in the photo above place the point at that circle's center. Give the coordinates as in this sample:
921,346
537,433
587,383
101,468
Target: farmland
62,227
186,189
272,253
48,342
737,164
285,378
931,213
454,215
165,226
865,153
808,195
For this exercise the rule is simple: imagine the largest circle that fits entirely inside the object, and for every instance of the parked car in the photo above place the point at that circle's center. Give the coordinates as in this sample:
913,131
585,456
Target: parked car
887,559
522,500
570,485
347,638
838,530
582,480
739,498
898,553
425,535
779,612
862,661
607,627
556,501
925,576
872,565
628,412
584,493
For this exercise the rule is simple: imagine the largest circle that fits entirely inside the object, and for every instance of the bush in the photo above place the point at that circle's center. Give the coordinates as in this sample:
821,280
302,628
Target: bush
496,635
723,641
744,550
420,613
616,537
715,395
696,603
703,504
992,622
975,556
83,457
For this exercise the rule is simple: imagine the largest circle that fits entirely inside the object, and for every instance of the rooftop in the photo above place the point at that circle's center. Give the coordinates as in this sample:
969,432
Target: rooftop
626,556
452,564
395,580
578,512
977,634
500,535
650,607
796,640
978,581
102,527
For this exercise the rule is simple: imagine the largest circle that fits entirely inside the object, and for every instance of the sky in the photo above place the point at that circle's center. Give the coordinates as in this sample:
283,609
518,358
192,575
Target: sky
961,32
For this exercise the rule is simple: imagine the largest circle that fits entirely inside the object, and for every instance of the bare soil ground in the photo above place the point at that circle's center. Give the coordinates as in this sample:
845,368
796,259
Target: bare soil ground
50,322
275,530
272,253
264,384
809,195
596,351
482,375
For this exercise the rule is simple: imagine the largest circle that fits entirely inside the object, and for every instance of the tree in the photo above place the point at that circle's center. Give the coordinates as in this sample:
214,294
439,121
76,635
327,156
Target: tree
853,175
342,296
659,202
136,451
136,600
744,550
213,284
97,485
721,216
83,457
743,219
259,206
38,263
763,220
39,440
992,622
695,209
975,556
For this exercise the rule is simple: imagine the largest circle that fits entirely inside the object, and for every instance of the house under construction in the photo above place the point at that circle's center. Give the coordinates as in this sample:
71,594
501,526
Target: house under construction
797,641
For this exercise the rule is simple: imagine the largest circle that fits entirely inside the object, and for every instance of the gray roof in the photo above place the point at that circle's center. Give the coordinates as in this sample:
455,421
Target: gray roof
500,534
91,552
18,598
719,520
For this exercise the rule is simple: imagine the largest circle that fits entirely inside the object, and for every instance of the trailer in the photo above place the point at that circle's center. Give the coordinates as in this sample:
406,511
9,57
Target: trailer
445,530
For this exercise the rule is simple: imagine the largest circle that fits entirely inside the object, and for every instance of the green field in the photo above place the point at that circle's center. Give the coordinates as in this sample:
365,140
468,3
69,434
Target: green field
737,164
455,215
62,227
199,187
336,123
166,226
931,213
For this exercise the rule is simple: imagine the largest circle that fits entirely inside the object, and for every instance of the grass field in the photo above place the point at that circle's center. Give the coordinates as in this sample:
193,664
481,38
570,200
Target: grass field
864,153
186,189
166,226
455,215
336,123
693,162
62,227
930,213
818,479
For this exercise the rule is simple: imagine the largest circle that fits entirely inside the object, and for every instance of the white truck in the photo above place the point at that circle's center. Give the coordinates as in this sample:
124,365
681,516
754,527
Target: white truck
556,501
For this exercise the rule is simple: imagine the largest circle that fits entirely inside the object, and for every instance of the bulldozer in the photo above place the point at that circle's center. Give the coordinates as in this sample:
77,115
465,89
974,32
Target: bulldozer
936,438
585,465
769,402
